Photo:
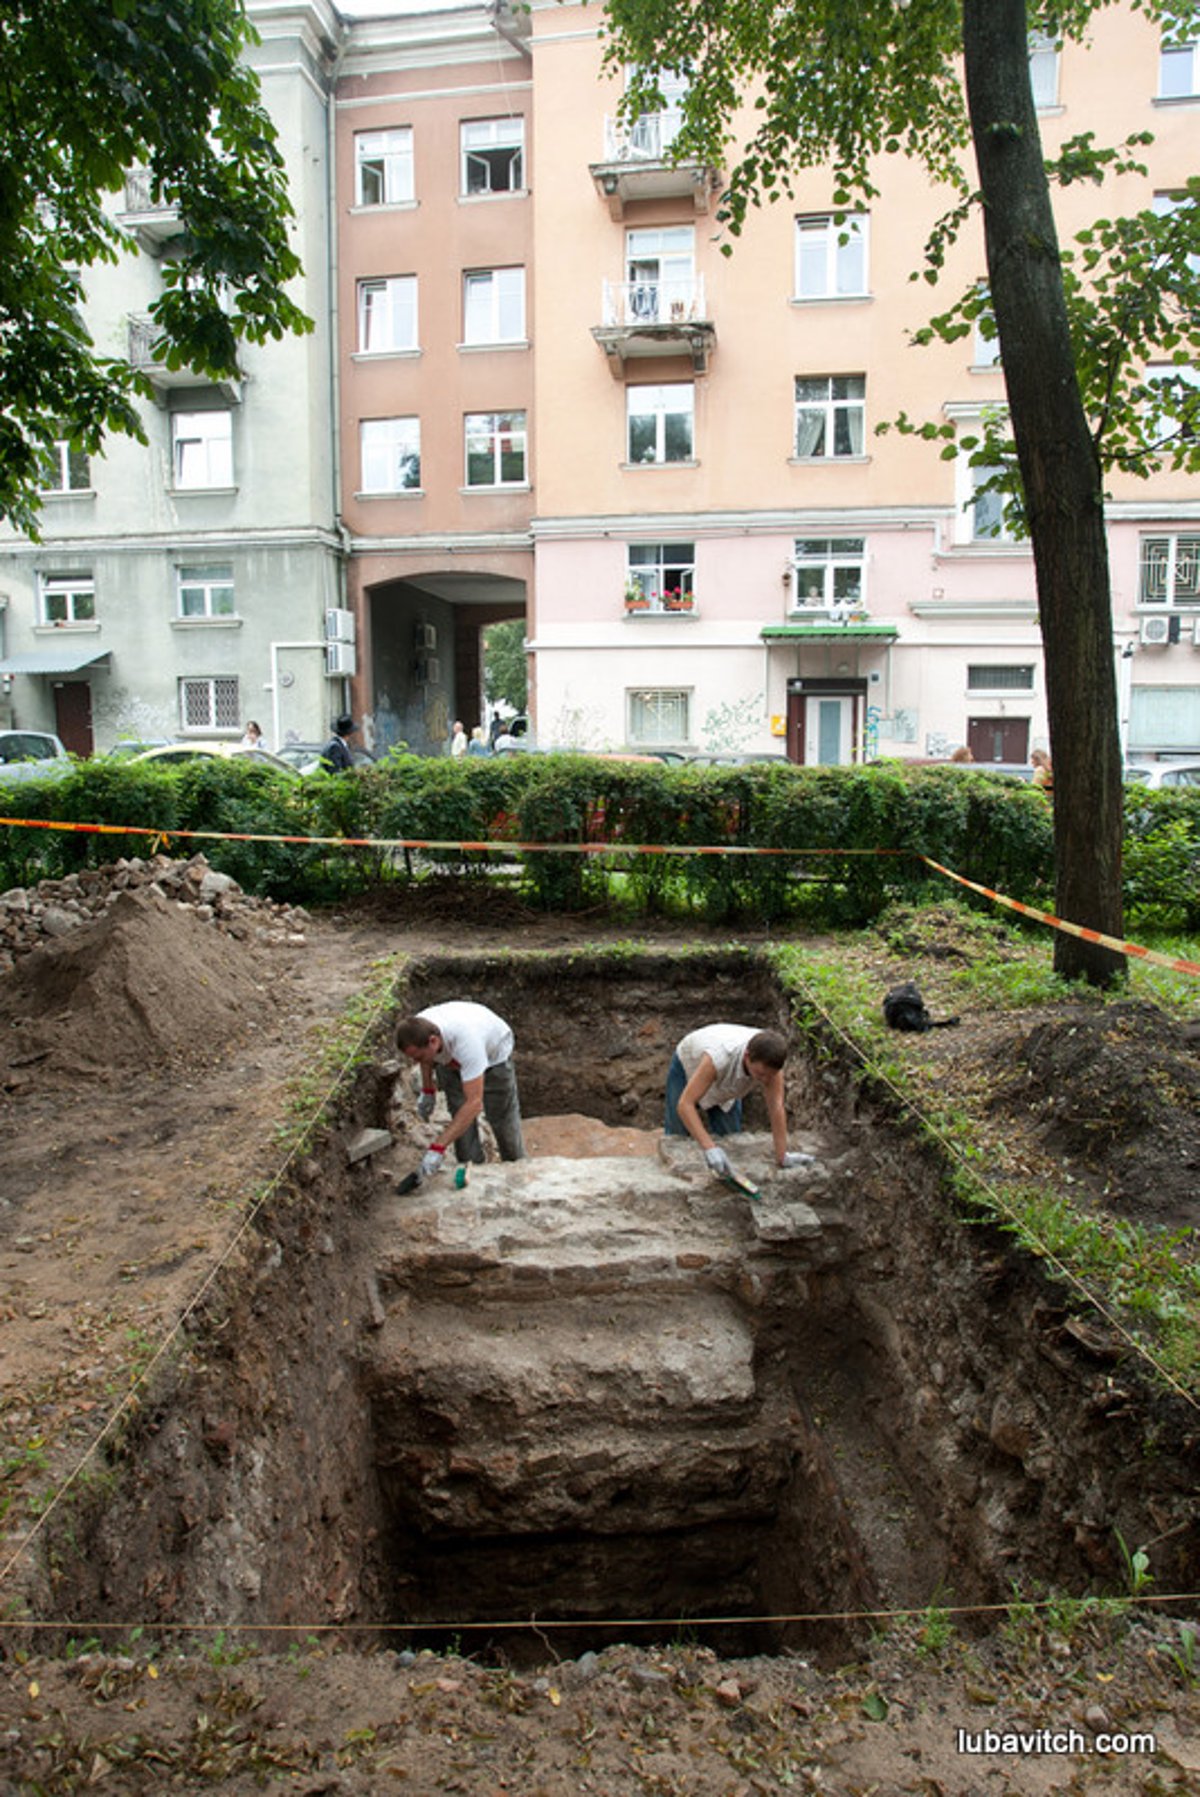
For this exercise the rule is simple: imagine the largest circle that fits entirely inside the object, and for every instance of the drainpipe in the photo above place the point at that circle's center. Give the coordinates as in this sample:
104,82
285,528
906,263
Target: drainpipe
502,24
273,684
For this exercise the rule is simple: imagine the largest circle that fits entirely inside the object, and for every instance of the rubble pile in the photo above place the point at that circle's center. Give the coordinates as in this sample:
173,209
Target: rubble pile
32,916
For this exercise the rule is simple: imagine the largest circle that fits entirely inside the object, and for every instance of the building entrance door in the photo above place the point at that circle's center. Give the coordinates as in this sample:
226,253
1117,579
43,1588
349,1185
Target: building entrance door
998,739
73,715
828,729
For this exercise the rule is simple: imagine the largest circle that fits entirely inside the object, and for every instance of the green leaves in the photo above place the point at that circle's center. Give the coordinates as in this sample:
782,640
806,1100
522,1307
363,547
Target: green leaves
92,93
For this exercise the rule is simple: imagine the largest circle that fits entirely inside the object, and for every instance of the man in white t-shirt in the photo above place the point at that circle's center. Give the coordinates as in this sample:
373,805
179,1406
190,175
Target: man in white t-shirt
468,1050
711,1072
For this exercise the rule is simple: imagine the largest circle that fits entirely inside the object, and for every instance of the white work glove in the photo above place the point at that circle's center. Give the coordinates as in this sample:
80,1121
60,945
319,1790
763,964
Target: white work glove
793,1158
431,1160
425,1104
718,1160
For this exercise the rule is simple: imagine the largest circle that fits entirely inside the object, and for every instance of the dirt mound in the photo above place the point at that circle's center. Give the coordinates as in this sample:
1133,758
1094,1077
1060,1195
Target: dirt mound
1118,1089
148,982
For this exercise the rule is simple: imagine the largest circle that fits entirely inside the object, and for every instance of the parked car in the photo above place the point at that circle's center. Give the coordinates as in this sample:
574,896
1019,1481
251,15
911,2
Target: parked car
745,760
306,757
32,755
1156,774
176,754
131,746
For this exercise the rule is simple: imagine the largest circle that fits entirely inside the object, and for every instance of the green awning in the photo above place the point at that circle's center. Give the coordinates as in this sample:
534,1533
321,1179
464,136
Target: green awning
799,633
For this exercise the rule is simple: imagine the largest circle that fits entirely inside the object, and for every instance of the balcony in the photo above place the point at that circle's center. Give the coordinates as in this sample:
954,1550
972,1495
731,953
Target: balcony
144,336
637,165
153,222
655,318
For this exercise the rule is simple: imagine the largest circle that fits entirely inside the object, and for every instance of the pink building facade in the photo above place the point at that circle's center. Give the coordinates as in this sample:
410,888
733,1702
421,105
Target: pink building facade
666,459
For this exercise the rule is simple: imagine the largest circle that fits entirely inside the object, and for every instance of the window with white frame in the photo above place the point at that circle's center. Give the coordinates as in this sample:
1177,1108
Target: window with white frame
661,423
387,315
493,155
660,272
663,572
1178,66
1043,69
1008,677
202,449
1174,408
390,451
986,352
495,449
986,508
68,599
658,717
206,590
494,306
830,415
831,255
209,702
652,134
830,571
65,469
383,166
1167,204
1170,570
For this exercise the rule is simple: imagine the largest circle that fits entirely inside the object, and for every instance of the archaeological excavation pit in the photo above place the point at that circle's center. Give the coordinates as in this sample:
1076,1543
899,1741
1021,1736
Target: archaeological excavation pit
595,1395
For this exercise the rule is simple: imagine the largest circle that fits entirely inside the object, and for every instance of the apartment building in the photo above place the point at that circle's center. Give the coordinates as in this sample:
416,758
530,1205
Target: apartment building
539,389
182,586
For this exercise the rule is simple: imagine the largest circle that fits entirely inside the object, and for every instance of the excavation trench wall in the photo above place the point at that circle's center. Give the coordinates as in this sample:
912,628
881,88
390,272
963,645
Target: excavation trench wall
598,1391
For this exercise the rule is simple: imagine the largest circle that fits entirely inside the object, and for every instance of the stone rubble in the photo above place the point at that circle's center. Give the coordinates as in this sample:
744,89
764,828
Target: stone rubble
31,916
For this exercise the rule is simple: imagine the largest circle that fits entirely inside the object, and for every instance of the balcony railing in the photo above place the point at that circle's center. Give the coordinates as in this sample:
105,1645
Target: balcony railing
647,139
154,221
629,304
144,337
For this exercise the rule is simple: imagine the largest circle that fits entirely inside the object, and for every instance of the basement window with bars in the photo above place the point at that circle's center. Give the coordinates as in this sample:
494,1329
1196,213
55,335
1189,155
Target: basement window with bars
1015,677
210,703
659,716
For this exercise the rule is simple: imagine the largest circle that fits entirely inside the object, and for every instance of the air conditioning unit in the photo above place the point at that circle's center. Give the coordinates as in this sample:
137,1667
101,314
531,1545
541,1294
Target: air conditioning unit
340,659
425,638
1159,630
428,672
339,625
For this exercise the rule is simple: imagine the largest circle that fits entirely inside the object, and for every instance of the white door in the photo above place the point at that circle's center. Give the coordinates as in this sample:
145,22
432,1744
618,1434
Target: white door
828,729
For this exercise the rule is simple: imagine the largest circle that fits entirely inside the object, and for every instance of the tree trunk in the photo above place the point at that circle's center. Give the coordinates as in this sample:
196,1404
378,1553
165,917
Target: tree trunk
1060,472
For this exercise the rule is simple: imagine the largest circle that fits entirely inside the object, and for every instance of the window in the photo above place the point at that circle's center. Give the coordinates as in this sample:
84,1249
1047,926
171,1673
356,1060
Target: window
1043,69
203,449
68,599
206,591
1173,419
493,155
1017,678
659,716
494,306
495,449
652,134
65,469
210,704
987,509
665,573
1178,66
830,412
660,268
986,352
387,315
1170,571
830,571
661,423
1166,205
831,255
383,167
390,449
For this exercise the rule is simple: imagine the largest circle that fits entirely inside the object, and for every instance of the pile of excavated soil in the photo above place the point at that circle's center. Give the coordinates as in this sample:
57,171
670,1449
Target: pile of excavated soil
147,982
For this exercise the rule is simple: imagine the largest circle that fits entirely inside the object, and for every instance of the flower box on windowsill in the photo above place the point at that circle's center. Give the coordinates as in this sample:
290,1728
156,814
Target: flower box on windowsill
678,604
637,605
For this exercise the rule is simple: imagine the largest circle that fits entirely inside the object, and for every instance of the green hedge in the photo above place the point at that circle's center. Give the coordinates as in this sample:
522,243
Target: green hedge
993,831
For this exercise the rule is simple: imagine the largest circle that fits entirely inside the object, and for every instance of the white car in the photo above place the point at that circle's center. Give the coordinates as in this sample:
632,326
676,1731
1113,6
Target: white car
175,754
31,755
1156,774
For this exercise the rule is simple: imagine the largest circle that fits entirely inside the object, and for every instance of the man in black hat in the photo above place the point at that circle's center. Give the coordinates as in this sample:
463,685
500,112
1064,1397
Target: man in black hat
336,756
